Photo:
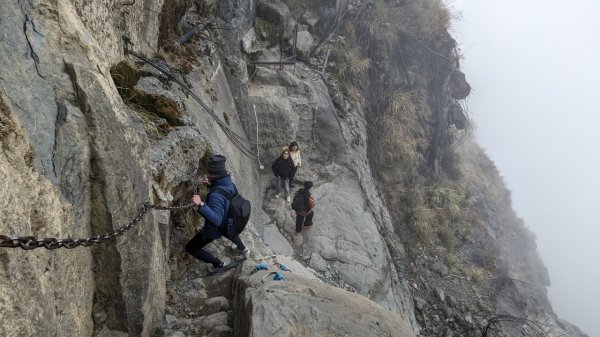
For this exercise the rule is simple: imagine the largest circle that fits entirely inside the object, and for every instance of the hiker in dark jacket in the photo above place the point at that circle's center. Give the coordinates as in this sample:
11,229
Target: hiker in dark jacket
304,216
214,212
283,167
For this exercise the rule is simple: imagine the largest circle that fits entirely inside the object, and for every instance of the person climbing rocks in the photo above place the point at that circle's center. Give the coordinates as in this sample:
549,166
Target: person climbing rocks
303,205
214,212
294,150
283,167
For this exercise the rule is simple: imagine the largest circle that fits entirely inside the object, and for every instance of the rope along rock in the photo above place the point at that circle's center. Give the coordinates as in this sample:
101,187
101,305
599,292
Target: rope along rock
241,143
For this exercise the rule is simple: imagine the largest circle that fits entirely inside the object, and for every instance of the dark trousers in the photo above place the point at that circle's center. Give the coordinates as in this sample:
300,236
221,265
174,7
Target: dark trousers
304,221
194,247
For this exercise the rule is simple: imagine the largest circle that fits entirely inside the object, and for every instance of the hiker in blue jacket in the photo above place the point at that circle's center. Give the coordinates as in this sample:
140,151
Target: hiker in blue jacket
214,212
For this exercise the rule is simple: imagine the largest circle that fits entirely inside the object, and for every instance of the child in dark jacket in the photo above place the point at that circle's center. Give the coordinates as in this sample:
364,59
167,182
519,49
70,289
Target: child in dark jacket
304,217
283,167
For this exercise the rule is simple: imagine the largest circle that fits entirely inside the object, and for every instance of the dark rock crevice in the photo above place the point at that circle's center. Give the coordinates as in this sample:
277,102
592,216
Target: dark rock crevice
28,25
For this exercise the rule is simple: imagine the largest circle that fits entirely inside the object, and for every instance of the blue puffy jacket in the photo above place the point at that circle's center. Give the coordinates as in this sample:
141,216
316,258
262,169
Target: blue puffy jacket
215,207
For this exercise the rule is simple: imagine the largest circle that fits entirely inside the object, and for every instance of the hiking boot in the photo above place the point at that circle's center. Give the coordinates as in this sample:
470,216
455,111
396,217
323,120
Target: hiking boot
212,268
288,199
277,195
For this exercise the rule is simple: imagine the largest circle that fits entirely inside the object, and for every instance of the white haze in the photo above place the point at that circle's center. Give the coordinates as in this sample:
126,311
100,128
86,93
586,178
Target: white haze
534,68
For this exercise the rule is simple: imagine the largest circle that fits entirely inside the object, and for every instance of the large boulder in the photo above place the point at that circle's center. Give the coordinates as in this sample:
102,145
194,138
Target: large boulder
459,87
300,307
345,235
92,149
304,43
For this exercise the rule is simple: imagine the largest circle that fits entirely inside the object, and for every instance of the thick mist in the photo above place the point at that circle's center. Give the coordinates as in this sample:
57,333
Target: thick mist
534,68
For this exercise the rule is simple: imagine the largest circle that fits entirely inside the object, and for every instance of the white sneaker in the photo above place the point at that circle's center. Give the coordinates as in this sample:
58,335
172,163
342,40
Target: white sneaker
277,195
246,252
288,199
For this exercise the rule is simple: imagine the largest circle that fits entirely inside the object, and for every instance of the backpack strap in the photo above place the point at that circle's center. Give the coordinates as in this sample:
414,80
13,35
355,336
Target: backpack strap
222,191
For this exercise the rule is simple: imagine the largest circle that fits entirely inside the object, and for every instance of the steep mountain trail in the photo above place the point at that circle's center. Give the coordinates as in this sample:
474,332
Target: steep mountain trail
413,232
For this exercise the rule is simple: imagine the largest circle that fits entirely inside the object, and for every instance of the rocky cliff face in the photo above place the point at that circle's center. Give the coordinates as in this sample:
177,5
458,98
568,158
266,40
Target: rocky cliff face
90,134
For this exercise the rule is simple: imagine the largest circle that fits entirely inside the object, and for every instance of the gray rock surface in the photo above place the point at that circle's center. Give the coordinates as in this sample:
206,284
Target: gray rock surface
276,241
175,334
107,22
210,322
170,322
459,87
237,13
62,281
317,262
215,304
304,43
420,303
106,332
301,307
440,268
346,235
440,294
299,107
86,143
248,41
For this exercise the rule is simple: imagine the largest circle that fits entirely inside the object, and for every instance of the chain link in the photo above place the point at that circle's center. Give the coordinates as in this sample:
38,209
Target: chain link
32,242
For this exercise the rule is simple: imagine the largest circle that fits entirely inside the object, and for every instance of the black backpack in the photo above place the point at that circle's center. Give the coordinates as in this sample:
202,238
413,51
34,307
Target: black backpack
237,215
300,202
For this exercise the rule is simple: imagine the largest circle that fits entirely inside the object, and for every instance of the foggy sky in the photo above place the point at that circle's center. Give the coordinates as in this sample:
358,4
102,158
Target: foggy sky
534,68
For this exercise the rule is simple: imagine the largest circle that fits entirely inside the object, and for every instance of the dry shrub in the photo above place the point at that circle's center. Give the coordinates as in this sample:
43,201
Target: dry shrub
447,238
401,136
151,110
6,122
418,19
478,275
172,11
385,23
149,121
421,220
182,56
348,56
435,18
451,260
448,199
397,143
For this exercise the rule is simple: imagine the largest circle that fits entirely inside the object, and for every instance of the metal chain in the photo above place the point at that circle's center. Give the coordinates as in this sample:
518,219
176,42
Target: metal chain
32,242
